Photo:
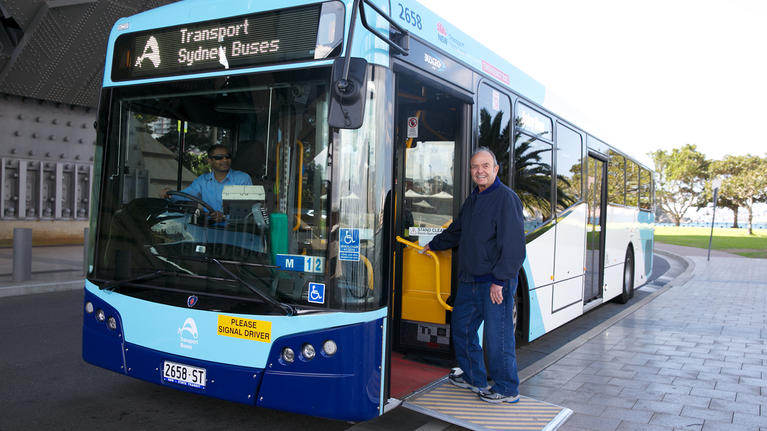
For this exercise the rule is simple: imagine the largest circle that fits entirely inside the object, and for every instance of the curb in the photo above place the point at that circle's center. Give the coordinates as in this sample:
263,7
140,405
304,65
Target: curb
32,289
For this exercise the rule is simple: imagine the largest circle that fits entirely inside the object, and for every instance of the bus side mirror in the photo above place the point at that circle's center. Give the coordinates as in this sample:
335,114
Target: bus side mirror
347,96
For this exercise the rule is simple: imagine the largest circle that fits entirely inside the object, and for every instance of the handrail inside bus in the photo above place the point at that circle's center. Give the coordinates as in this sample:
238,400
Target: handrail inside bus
300,183
436,265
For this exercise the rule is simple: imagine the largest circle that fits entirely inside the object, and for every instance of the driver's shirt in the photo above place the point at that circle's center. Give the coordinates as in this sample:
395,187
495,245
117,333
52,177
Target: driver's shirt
208,189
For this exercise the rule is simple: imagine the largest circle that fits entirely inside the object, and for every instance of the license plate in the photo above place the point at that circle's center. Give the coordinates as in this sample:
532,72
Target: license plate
184,374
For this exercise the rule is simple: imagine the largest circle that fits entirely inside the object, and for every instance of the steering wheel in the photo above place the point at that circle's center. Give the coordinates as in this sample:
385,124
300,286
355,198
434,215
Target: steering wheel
192,198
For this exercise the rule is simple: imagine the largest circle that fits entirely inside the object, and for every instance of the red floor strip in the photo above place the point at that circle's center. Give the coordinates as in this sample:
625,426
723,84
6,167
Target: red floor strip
408,376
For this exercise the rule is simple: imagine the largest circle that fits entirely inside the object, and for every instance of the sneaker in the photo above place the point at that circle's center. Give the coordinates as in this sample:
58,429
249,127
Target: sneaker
494,397
456,377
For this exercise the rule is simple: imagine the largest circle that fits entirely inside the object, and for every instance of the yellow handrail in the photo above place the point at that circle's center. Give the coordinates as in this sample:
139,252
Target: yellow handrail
369,267
436,265
300,183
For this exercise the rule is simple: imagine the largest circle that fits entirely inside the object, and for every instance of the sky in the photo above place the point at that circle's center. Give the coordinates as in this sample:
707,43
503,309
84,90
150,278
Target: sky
645,75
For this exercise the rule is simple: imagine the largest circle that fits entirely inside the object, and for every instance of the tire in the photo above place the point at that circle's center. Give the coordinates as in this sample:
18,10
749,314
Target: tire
628,278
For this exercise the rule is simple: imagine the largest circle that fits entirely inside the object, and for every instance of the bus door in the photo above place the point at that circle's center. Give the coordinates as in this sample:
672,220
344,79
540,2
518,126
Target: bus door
595,240
429,126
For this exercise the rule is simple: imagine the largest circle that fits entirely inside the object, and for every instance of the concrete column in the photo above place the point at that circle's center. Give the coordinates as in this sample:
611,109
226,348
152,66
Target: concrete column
85,251
22,254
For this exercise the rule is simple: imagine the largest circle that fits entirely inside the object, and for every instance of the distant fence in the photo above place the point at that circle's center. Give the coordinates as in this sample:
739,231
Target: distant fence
741,225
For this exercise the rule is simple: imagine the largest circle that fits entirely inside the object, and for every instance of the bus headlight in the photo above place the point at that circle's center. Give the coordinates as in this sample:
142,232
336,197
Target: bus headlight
329,347
288,355
308,352
89,307
112,323
100,316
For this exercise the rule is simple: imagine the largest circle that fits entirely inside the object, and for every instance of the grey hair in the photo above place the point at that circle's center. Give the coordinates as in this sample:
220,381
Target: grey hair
485,150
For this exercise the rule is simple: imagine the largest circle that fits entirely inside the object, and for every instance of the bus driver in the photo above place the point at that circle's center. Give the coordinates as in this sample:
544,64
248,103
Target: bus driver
209,186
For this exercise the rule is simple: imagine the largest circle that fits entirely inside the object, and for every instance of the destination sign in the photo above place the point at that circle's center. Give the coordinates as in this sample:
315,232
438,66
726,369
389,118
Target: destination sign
248,40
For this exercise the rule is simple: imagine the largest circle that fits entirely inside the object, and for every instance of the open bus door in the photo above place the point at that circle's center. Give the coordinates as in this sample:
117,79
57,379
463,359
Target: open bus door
428,192
431,160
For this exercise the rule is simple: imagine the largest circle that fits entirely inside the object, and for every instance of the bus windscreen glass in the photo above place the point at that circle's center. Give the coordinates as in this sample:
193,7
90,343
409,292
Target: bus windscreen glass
265,38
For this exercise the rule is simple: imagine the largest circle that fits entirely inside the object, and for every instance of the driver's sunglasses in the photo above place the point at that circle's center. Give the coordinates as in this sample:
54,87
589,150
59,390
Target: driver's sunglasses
221,156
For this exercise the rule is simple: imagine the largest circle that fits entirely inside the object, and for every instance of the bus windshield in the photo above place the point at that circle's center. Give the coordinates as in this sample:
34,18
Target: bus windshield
169,229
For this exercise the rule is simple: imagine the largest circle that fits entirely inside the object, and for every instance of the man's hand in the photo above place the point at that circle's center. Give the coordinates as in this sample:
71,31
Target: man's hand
425,249
496,293
164,193
217,216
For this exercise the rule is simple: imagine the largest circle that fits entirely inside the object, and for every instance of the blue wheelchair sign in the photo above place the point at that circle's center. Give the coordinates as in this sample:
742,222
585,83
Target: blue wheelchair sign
349,244
316,293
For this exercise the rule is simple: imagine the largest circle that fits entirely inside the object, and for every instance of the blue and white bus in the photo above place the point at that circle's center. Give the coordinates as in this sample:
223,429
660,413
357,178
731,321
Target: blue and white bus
354,120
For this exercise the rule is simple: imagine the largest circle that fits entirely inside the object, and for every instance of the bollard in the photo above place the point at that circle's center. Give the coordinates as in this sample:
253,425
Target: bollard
85,251
22,254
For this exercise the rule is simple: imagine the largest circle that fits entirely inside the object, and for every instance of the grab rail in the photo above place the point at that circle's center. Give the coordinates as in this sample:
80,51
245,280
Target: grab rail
436,264
300,183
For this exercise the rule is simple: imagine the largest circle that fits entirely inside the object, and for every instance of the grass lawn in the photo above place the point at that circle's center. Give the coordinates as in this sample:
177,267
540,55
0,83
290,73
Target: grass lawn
736,241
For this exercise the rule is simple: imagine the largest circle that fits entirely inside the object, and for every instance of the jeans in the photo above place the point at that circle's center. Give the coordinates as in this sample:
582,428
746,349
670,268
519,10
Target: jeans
472,307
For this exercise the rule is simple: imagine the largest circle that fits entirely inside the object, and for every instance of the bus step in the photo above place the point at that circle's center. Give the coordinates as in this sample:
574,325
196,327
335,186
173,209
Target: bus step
460,406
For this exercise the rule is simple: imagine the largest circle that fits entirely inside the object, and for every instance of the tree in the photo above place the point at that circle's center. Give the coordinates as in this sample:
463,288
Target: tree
744,183
681,175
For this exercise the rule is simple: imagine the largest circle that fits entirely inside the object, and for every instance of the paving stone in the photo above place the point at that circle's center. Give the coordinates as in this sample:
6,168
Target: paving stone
747,419
633,426
739,388
687,374
713,393
654,378
678,422
694,383
641,394
754,399
662,363
595,388
688,400
707,414
594,423
633,415
612,401
629,383
728,375
591,378
583,407
753,381
641,369
670,389
659,406
735,406
726,426
704,368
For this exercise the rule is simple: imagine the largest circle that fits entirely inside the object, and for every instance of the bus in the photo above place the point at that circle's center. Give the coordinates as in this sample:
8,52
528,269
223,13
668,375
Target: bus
354,120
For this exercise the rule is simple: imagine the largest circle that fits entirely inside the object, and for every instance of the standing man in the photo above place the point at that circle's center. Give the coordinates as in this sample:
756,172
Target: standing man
489,233
210,186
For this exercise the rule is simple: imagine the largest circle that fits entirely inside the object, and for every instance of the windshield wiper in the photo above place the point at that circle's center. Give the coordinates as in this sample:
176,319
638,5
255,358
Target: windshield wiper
286,308
110,285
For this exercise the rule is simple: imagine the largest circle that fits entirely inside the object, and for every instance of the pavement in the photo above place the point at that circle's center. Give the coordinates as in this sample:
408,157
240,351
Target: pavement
54,268
693,357
690,356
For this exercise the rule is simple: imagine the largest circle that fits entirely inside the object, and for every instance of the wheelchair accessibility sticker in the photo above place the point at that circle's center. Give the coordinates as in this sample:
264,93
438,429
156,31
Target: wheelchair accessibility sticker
316,293
349,244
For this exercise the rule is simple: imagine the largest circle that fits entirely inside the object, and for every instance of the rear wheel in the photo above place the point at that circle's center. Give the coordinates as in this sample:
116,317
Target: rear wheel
628,278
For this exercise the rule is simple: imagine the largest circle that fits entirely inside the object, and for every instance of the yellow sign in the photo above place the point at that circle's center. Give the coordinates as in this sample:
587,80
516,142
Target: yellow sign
247,329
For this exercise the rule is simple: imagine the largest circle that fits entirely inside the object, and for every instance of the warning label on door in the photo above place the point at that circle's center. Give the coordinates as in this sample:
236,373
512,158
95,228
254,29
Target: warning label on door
412,127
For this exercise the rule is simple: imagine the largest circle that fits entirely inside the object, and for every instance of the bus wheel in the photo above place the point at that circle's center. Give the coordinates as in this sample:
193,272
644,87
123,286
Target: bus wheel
628,278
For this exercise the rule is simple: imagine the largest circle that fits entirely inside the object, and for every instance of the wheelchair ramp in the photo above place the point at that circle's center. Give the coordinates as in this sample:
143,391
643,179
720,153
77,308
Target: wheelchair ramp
459,406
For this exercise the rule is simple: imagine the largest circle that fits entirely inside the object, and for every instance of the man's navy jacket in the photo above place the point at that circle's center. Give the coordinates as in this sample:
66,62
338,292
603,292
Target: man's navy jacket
489,232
